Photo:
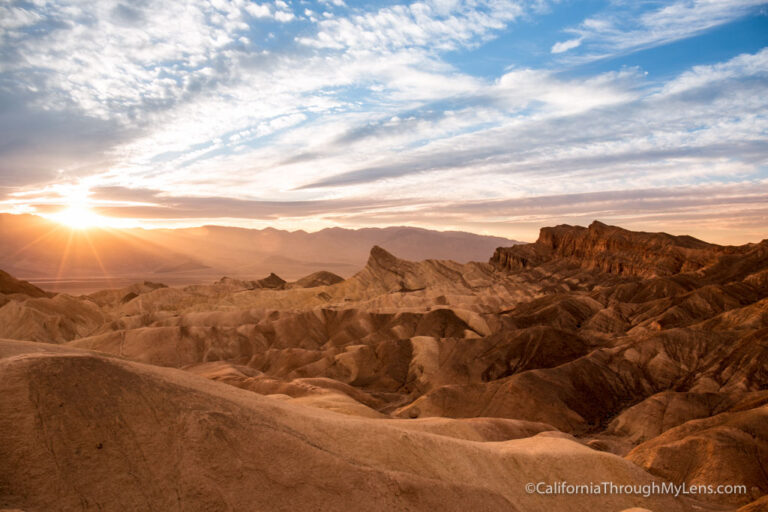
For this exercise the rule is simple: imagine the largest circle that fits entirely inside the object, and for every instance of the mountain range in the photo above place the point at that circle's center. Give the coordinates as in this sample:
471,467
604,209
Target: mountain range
57,256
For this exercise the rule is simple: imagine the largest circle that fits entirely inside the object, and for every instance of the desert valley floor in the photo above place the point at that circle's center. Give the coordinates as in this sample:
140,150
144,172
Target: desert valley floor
594,354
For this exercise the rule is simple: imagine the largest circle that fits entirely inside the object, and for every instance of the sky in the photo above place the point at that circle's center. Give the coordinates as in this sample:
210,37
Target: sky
495,117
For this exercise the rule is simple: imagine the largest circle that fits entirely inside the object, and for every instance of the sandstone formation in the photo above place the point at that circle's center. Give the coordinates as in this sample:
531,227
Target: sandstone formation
612,249
148,438
9,285
415,384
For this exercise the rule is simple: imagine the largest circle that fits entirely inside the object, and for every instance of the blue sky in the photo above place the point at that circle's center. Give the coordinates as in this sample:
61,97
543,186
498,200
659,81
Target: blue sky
495,117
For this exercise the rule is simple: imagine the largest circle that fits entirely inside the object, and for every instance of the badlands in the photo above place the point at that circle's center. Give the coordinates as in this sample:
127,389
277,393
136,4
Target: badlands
593,355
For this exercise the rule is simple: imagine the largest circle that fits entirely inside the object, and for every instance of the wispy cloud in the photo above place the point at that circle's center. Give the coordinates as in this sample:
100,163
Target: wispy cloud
606,123
564,46
630,26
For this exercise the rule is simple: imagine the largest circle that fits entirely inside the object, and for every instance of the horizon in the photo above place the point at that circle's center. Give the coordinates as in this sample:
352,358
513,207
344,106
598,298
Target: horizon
493,118
516,240
53,219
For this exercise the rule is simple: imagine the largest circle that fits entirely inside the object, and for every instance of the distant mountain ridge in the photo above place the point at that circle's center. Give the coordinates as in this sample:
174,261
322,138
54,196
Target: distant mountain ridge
33,247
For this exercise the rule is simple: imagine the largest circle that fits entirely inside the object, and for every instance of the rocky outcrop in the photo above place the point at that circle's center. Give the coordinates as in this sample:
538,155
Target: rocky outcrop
321,278
9,285
124,295
727,448
53,320
272,281
612,250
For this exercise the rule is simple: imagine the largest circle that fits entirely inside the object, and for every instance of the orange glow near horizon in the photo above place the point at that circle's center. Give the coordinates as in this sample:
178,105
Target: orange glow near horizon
83,215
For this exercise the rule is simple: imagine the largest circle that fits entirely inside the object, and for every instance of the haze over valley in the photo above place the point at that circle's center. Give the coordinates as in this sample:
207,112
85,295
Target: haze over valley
78,261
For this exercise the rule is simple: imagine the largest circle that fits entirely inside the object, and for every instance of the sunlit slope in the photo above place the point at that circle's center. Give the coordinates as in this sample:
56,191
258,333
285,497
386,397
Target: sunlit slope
136,437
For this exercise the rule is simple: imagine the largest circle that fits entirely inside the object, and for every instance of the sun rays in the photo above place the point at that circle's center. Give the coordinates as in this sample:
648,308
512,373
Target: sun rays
78,233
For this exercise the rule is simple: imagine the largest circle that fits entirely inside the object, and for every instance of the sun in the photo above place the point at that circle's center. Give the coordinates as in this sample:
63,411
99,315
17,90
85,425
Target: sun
78,217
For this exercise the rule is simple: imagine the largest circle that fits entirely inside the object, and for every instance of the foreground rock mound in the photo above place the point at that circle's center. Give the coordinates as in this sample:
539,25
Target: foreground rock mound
135,437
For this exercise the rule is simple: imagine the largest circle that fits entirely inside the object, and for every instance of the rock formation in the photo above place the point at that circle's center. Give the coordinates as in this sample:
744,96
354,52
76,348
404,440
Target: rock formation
9,285
613,250
410,385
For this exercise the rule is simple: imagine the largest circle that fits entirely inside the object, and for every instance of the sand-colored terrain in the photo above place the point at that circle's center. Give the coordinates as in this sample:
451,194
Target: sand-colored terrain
593,355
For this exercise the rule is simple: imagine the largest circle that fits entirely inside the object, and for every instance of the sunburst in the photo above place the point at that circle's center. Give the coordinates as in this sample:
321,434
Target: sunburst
79,217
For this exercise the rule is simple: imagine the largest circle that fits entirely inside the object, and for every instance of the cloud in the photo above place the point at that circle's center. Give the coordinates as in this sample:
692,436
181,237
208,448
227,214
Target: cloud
117,61
564,46
732,213
284,16
693,129
40,146
614,203
701,76
628,26
147,203
258,10
127,15
436,25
